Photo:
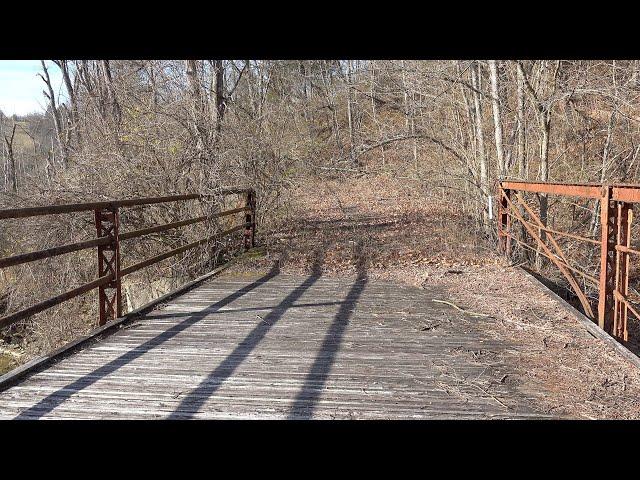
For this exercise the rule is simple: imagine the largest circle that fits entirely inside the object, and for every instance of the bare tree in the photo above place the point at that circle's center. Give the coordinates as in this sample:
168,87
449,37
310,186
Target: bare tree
482,159
350,107
12,176
219,101
55,112
543,106
197,104
521,125
109,91
497,117
72,124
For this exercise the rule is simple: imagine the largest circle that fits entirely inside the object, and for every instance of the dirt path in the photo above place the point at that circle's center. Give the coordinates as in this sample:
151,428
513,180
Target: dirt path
379,224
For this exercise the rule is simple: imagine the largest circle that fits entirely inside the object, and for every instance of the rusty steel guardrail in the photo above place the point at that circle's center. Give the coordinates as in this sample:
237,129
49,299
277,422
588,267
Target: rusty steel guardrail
107,222
611,310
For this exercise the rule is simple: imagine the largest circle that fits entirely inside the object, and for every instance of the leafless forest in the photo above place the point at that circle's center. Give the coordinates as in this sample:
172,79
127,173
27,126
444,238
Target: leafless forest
447,130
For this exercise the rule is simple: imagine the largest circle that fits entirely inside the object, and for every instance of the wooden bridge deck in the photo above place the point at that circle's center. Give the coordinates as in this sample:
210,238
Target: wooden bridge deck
280,346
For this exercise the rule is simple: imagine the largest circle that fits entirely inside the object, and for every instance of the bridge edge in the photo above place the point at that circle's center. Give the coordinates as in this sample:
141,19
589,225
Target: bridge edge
589,325
20,373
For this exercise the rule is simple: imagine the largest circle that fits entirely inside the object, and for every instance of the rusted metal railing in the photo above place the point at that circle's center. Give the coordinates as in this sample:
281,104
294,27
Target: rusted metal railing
109,237
616,215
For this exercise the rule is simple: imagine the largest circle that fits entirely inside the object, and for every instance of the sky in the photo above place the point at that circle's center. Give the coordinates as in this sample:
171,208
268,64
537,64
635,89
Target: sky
21,87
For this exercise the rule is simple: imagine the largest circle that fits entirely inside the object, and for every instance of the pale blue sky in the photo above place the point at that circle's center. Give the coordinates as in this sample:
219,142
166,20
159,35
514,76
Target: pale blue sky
21,87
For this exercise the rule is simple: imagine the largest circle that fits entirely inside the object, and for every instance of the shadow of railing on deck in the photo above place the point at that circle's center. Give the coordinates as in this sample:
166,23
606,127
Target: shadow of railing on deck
58,397
190,405
247,309
316,379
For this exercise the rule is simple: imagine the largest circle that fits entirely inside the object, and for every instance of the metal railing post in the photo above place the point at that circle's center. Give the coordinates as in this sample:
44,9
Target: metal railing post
607,260
110,294
504,222
250,221
623,239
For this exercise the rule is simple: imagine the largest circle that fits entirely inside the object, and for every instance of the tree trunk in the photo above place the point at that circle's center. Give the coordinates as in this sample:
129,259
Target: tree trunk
544,166
497,118
372,94
332,106
408,115
110,91
12,174
218,95
522,144
57,120
469,141
72,124
195,93
484,180
352,142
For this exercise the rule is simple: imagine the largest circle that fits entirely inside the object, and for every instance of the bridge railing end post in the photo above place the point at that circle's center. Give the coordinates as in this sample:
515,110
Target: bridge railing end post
608,232
250,220
504,221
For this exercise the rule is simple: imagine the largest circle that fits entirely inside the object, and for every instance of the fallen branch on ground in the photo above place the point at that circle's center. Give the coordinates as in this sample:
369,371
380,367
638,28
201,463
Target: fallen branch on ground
468,312
514,265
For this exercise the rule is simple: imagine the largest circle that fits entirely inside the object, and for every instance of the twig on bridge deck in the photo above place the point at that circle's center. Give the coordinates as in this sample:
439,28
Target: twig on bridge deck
526,325
468,312
487,393
471,384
